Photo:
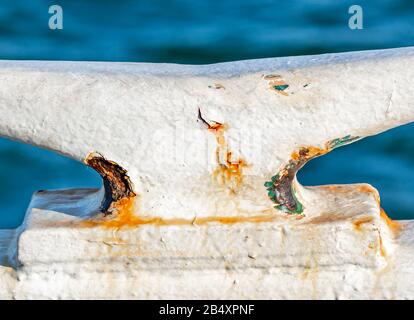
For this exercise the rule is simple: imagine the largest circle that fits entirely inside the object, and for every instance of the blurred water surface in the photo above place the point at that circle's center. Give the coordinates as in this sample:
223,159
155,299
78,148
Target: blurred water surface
196,32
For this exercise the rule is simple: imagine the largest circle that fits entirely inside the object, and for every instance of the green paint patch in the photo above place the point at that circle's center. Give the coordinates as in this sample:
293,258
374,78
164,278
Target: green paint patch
280,87
335,143
276,193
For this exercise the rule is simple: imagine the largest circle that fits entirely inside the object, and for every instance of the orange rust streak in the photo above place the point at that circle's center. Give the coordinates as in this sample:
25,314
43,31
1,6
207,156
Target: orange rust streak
217,127
127,218
359,222
394,226
228,171
381,247
308,153
371,190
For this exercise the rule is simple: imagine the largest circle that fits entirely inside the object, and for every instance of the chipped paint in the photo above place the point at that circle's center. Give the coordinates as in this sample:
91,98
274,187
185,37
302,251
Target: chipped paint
281,189
116,182
276,83
279,86
217,86
271,77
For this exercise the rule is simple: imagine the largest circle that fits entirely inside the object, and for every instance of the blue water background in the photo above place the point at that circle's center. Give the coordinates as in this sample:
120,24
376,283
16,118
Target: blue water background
191,31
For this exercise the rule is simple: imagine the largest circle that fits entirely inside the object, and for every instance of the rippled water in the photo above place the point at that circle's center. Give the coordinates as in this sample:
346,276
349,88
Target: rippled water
185,31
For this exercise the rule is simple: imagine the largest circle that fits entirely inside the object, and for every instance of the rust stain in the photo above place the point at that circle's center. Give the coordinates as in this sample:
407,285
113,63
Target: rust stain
307,153
382,250
307,268
394,226
378,246
369,189
310,275
229,171
361,221
328,218
128,219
